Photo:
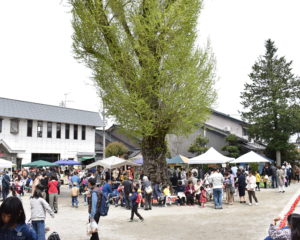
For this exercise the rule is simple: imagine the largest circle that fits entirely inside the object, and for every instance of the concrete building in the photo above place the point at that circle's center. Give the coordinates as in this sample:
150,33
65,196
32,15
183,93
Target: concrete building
32,131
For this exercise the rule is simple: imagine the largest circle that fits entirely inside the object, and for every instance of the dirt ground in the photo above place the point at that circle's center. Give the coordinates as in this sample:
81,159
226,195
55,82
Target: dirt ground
238,221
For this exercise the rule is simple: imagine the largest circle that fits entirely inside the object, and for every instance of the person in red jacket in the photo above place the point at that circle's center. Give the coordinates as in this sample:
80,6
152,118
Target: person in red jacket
53,193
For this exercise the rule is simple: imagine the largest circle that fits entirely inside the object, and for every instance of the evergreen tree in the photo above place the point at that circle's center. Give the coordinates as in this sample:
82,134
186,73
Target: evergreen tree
152,77
199,146
233,146
271,101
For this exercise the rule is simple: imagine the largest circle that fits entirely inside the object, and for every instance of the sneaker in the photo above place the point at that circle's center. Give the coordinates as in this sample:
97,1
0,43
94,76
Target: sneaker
142,220
130,220
256,204
250,204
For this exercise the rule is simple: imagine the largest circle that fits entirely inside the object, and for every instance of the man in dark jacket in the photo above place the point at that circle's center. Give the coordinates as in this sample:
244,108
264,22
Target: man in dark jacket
274,176
5,185
127,190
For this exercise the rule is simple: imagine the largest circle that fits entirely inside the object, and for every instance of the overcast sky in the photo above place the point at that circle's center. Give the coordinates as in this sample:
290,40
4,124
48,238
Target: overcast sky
37,64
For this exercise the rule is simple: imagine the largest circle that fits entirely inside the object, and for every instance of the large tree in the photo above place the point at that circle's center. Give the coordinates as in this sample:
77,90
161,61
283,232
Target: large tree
152,77
271,101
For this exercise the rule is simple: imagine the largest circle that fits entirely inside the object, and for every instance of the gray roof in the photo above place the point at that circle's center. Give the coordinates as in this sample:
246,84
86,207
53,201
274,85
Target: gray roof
28,110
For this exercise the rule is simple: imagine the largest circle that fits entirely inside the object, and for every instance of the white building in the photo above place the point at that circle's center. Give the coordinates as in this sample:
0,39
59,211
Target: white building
32,131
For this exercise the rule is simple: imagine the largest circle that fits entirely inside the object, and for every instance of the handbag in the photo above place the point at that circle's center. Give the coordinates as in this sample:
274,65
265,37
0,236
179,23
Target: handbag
232,189
148,190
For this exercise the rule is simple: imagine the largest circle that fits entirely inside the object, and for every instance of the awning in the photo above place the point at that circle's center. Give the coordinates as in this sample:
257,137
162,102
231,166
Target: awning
40,163
211,156
82,159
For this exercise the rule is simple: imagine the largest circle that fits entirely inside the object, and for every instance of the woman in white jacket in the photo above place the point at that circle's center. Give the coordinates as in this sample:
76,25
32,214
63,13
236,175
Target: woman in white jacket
39,206
251,184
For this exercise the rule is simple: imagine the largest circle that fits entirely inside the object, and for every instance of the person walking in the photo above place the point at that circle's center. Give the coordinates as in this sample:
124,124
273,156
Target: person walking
39,207
147,187
217,180
53,193
94,214
135,199
251,184
281,179
5,185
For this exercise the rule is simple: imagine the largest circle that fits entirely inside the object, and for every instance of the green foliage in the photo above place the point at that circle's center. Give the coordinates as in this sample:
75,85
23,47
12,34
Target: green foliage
233,146
199,146
143,56
115,149
271,100
253,167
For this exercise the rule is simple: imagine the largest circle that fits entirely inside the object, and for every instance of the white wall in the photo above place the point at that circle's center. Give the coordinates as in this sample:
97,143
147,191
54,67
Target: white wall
223,122
67,148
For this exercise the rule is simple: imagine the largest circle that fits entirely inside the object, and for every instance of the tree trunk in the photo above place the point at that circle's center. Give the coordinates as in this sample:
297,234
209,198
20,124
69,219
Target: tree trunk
154,151
278,158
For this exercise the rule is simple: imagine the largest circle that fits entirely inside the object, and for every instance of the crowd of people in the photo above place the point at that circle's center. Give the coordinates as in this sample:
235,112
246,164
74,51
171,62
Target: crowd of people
131,189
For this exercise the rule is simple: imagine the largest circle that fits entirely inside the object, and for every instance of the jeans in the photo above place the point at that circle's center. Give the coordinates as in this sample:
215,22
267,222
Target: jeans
274,182
75,201
5,192
217,192
39,228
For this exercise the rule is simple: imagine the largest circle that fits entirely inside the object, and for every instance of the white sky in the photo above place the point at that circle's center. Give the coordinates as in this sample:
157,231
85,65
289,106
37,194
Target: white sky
37,64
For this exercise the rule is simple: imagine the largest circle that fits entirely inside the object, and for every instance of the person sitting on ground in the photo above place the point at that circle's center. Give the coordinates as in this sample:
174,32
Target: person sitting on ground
181,198
189,193
12,221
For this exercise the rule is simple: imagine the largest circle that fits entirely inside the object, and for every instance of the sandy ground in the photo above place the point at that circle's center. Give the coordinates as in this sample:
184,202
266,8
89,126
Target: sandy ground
238,221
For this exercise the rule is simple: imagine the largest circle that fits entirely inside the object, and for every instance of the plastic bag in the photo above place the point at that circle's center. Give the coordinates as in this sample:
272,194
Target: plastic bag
92,227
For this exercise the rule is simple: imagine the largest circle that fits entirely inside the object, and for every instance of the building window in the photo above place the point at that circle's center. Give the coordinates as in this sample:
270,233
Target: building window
1,125
39,129
75,131
49,130
14,126
29,128
83,132
67,132
58,130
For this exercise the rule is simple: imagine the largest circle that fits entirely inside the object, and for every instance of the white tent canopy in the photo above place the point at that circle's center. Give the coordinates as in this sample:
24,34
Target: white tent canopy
250,157
5,164
112,162
211,156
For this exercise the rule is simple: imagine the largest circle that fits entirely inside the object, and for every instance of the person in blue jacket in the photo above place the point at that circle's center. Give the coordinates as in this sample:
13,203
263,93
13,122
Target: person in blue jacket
76,179
135,199
12,221
107,188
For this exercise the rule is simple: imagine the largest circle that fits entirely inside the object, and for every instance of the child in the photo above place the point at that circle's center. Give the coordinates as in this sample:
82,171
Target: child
257,180
167,195
39,206
203,198
135,199
74,194
12,217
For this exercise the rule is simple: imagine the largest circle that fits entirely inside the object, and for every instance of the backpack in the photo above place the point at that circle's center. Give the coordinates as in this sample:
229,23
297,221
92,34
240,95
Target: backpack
139,198
54,236
102,204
